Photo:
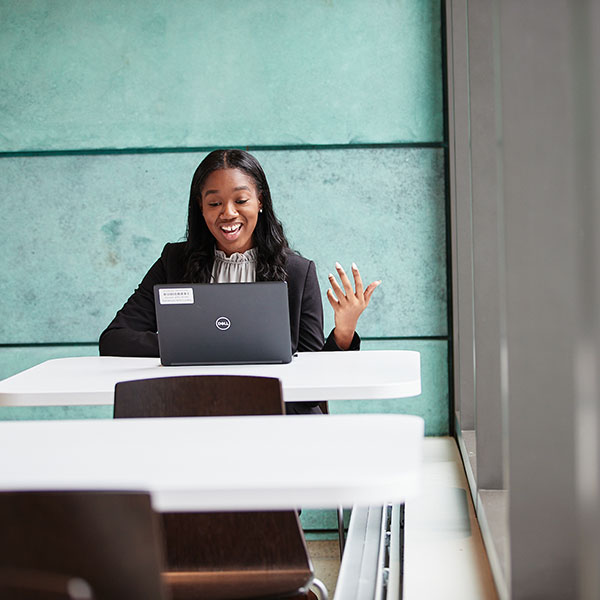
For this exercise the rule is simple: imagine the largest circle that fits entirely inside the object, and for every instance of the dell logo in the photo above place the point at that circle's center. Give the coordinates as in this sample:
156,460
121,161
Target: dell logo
223,323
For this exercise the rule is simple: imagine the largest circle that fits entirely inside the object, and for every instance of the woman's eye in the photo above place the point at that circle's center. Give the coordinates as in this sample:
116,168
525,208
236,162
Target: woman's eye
242,201
213,204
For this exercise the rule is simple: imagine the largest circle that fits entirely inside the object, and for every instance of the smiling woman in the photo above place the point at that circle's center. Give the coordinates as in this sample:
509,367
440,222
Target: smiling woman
234,236
230,210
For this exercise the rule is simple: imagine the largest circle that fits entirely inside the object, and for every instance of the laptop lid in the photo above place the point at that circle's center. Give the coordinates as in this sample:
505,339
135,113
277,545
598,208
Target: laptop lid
224,323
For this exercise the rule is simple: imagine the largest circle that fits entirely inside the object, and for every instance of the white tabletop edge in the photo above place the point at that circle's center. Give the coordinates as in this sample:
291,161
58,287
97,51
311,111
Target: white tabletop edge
83,381
200,465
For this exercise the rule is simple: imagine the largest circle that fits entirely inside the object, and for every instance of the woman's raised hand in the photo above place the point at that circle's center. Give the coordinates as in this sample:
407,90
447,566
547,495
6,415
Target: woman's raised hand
348,304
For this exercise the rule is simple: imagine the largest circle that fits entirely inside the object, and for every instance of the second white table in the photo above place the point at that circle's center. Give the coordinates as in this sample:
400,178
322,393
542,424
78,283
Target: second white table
221,463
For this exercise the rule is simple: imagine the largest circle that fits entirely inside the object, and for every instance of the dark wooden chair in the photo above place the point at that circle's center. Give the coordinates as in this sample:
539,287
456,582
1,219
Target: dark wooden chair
233,555
199,396
80,545
28,584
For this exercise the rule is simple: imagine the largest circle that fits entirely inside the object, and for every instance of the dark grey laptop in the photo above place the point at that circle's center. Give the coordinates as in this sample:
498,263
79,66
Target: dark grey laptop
223,323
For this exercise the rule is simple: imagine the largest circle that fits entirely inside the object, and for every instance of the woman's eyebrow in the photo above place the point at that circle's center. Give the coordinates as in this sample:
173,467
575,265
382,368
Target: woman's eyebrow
236,189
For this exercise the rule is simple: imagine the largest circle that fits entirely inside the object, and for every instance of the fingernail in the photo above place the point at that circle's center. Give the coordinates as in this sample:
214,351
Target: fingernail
337,265
354,266
330,276
378,282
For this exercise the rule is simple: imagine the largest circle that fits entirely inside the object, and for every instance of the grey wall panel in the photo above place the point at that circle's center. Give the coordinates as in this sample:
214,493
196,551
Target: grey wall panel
541,236
487,246
460,182
586,21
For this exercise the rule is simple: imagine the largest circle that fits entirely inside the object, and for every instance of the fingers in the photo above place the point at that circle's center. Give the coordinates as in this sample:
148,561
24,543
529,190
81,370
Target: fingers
358,284
348,305
370,289
347,293
334,303
337,290
344,278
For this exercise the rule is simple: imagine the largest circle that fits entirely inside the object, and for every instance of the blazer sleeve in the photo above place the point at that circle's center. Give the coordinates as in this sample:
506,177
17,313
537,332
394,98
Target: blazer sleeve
310,328
133,330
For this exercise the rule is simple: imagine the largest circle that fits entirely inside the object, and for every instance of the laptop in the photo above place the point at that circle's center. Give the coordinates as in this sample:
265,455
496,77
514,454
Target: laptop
223,323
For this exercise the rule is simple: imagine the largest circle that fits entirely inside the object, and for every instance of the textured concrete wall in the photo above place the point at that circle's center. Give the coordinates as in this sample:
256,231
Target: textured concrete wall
158,73
106,107
86,228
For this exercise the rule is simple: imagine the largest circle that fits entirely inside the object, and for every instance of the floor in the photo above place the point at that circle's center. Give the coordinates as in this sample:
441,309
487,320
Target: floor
444,557
325,556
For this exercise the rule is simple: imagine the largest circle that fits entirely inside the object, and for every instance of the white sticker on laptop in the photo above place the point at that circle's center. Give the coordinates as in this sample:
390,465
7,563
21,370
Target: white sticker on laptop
176,296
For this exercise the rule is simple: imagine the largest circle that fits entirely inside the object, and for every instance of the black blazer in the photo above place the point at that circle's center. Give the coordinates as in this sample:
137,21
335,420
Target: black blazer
133,330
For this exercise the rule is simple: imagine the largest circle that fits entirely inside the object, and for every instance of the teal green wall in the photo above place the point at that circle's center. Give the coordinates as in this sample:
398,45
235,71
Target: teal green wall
80,231
106,107
81,74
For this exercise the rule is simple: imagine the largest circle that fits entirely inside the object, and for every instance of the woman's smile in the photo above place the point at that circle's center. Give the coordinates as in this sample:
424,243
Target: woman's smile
231,232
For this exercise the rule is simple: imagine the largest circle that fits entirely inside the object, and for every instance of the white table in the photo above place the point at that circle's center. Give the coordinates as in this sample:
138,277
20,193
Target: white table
311,376
221,463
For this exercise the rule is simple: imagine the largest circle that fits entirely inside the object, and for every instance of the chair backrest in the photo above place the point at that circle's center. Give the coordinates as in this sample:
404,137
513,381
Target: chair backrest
324,406
199,396
233,554
58,544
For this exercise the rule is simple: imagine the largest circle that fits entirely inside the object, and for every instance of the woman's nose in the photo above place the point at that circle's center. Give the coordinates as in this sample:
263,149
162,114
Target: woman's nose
229,210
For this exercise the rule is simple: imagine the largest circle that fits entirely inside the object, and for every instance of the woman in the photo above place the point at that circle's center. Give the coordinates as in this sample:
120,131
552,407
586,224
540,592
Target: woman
233,235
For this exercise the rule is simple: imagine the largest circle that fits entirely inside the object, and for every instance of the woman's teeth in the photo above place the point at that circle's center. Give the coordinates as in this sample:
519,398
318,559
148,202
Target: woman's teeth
231,228
231,232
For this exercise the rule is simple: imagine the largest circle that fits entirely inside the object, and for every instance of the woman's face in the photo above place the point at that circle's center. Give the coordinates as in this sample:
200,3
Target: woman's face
230,206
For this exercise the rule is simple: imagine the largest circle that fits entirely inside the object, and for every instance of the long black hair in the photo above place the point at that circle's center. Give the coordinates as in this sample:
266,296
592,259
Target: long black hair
268,236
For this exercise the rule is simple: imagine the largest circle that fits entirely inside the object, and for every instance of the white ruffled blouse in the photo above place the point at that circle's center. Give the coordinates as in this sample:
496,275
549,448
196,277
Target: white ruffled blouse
237,268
